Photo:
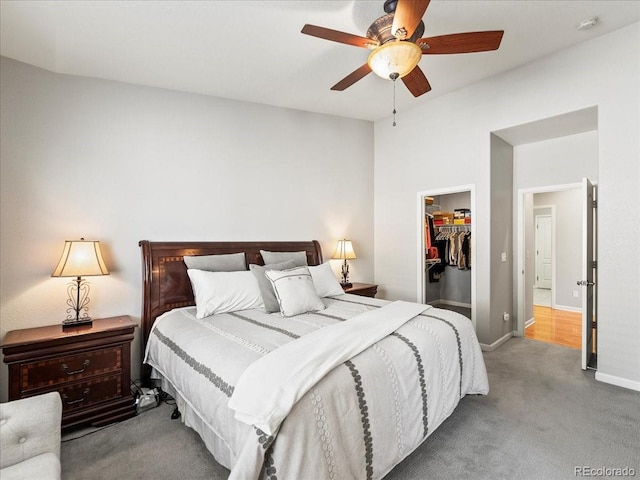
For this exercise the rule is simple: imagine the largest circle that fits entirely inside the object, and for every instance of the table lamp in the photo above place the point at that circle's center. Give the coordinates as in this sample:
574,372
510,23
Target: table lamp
344,251
80,258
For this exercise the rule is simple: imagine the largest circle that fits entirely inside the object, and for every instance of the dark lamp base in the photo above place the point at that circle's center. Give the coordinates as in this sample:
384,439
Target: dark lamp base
76,322
346,285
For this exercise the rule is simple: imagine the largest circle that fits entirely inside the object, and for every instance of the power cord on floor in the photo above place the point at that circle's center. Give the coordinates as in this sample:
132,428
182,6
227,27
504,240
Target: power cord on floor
169,400
85,434
166,398
163,397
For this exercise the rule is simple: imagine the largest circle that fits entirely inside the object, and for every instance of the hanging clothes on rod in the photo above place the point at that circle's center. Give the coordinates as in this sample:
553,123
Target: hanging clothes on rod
454,245
429,236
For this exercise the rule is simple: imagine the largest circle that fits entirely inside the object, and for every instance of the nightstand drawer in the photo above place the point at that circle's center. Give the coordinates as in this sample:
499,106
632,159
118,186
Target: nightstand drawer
81,395
34,375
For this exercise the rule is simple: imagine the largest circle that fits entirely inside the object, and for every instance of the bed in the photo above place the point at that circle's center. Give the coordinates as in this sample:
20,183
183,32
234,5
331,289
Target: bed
352,411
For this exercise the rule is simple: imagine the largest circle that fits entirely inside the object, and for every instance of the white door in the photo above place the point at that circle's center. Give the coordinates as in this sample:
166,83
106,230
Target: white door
543,251
587,282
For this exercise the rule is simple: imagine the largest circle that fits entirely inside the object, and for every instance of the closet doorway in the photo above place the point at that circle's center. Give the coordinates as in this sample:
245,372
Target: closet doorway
446,275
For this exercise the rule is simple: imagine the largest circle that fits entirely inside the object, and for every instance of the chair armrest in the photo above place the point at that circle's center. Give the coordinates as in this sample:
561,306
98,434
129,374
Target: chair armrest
30,427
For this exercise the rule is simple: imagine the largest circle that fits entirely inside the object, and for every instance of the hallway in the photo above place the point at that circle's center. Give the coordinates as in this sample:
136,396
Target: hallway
556,326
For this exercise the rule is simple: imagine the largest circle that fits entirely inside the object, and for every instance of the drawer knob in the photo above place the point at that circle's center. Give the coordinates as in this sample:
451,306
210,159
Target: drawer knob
65,368
66,400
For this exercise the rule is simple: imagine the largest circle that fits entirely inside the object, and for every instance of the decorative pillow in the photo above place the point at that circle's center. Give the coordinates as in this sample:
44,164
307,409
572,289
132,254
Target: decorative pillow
300,258
231,262
295,291
264,284
325,281
220,292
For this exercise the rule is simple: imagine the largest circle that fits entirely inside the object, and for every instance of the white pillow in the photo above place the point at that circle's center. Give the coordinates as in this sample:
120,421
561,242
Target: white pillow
220,292
295,291
325,281
264,284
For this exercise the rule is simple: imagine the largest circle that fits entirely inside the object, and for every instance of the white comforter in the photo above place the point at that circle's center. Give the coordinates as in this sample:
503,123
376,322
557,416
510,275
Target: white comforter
358,421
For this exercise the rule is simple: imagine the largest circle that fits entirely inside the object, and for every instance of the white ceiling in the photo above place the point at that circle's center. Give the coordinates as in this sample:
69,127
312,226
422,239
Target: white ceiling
254,51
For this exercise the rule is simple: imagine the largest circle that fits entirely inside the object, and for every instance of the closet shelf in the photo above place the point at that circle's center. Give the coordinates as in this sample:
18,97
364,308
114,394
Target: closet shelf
432,208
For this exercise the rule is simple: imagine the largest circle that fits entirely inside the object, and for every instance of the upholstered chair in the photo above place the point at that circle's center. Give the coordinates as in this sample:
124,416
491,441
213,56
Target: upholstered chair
30,438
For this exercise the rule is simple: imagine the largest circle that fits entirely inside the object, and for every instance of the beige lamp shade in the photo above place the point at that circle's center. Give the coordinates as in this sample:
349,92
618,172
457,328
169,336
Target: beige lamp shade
344,250
394,57
80,258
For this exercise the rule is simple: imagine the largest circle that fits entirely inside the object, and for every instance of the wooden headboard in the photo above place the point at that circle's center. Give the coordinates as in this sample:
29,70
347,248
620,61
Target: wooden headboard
166,284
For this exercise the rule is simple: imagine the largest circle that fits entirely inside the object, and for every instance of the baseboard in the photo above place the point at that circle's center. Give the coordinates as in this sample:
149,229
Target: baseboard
496,344
618,381
567,309
529,322
450,302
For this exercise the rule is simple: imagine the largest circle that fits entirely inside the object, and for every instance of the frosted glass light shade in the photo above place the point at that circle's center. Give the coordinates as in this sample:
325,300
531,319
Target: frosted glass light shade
394,57
344,250
80,258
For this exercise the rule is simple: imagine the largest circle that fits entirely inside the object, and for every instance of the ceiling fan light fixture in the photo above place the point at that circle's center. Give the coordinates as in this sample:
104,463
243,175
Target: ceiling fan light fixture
398,57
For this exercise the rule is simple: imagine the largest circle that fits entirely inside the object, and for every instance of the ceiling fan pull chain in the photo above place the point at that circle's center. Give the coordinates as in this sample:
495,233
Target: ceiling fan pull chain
394,77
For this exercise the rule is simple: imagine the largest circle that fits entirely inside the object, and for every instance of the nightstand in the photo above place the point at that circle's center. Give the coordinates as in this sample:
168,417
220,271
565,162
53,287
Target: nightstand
90,366
362,289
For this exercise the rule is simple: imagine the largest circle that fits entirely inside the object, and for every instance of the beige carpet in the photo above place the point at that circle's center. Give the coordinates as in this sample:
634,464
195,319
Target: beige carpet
543,418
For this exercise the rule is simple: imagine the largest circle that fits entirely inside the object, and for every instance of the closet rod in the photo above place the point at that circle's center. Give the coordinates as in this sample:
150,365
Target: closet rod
453,228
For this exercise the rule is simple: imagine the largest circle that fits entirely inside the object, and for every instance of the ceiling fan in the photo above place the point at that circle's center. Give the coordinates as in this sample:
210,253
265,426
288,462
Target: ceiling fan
397,44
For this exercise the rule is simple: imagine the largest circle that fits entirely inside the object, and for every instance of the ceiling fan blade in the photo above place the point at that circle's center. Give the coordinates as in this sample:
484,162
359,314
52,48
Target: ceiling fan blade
340,37
461,42
352,78
407,16
416,82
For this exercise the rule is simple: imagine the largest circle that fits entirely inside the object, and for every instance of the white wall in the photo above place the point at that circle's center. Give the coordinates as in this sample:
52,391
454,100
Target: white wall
501,241
558,161
445,141
121,163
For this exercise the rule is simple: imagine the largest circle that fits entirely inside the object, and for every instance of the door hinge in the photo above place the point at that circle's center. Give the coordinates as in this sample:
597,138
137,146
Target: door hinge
595,264
595,204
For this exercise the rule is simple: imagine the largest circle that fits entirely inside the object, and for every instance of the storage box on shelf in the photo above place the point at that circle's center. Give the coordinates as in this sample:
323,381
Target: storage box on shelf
442,218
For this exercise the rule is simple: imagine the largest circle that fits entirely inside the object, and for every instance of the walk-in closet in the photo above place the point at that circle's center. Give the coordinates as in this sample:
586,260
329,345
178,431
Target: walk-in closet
448,238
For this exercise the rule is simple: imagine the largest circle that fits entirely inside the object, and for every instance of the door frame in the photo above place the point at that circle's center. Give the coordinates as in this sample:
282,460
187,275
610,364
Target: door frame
521,253
589,273
420,254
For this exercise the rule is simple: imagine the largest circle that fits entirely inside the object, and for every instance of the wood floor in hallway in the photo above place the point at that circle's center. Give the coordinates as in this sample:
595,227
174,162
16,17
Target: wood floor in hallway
556,326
